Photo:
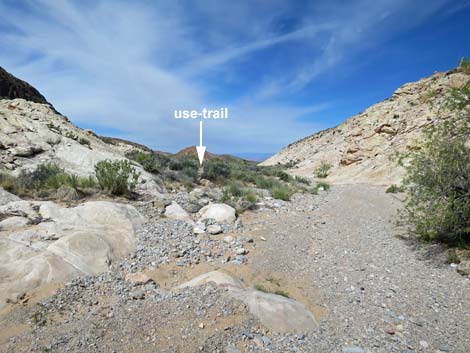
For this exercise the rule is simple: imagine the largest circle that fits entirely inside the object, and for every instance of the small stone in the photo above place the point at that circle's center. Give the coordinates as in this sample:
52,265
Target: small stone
424,344
241,251
228,239
137,294
263,238
444,348
214,229
201,325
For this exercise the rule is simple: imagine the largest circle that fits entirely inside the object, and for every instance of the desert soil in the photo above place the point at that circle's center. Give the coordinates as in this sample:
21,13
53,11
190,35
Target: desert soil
338,253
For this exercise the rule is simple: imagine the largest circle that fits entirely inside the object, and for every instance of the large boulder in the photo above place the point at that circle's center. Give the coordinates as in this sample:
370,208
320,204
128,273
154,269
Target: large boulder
220,212
42,242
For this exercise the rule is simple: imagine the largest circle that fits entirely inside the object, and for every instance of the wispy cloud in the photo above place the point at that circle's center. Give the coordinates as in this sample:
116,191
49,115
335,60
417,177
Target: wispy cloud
128,65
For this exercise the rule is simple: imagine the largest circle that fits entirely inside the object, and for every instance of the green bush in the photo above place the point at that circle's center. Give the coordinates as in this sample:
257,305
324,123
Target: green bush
265,183
46,177
283,176
438,178
235,189
215,170
250,196
323,170
116,177
281,193
84,141
323,185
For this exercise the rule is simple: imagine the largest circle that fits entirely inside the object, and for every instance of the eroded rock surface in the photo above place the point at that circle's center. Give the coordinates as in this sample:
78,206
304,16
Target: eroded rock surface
43,242
278,313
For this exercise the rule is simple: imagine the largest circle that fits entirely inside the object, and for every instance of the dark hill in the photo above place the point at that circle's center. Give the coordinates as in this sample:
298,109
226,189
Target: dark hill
12,87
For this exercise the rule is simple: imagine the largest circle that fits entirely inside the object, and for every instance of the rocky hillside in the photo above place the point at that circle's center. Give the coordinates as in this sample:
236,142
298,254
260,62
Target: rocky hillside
362,148
32,132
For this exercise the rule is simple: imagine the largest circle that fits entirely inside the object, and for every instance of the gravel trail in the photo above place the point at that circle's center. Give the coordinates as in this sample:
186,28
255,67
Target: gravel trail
336,252
378,292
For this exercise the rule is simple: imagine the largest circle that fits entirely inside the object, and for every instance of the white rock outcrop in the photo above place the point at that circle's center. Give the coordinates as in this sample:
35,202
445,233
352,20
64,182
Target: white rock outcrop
220,212
42,242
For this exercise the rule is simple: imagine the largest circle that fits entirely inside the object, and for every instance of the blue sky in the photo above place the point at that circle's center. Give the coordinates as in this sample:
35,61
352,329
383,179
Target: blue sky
284,69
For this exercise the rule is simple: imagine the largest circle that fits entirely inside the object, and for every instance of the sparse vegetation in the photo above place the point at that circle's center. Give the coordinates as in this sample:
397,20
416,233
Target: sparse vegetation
465,65
44,181
323,170
84,141
394,189
237,177
116,177
302,180
323,185
281,192
263,289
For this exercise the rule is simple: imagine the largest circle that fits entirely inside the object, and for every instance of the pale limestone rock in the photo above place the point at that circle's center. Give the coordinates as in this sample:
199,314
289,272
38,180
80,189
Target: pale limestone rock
221,213
6,197
175,211
61,243
276,312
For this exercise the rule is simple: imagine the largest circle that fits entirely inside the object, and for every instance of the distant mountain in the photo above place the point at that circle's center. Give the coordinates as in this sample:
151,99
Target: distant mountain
12,87
362,149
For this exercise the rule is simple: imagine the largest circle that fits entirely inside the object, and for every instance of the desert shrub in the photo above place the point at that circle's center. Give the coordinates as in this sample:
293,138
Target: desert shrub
438,178
215,169
265,183
281,192
84,141
323,185
116,177
235,189
148,162
45,178
10,183
393,189
189,166
302,180
283,176
250,196
323,170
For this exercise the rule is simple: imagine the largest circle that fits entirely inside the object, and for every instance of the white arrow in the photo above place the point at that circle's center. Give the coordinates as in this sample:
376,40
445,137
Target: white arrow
200,149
